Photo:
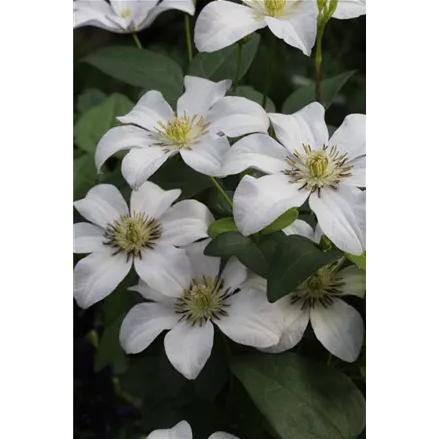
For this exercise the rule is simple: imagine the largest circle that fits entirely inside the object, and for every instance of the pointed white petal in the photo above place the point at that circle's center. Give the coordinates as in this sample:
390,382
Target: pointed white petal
350,137
119,139
236,116
257,151
222,435
251,320
339,328
200,94
180,431
149,111
353,281
152,199
87,238
94,13
258,202
102,205
234,274
301,228
185,223
165,269
201,264
207,156
188,347
143,323
306,126
98,275
358,172
255,282
350,9
151,294
181,5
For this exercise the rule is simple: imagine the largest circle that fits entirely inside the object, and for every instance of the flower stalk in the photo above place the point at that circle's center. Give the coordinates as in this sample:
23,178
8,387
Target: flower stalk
221,190
136,40
188,37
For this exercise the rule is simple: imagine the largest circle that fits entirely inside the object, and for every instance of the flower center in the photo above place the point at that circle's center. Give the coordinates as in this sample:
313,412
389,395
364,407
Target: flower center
274,8
126,13
320,287
205,299
180,132
132,233
316,169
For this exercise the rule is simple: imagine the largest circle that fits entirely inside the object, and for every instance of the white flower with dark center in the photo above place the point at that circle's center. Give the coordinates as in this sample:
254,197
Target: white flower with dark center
196,130
306,164
207,296
124,16
222,23
145,235
183,431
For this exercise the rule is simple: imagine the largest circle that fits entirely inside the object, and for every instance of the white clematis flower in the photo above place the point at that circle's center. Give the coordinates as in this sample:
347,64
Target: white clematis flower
305,164
145,235
206,297
124,16
183,431
222,23
196,130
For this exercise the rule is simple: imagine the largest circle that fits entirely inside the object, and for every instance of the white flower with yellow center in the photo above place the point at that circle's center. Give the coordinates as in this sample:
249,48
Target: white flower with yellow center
146,235
222,23
207,296
124,16
197,130
306,164
183,431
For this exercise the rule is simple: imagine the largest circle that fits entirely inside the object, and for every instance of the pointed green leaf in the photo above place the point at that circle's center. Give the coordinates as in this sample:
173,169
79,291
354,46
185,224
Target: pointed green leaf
84,175
283,221
221,226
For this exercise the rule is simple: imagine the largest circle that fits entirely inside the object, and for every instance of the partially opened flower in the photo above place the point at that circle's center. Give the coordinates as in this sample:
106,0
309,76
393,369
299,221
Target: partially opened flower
183,431
124,16
222,23
304,165
196,130
207,296
145,235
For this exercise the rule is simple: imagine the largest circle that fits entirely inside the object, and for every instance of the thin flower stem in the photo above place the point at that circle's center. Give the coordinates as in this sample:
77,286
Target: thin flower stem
137,41
238,67
221,190
318,63
187,26
271,58
328,362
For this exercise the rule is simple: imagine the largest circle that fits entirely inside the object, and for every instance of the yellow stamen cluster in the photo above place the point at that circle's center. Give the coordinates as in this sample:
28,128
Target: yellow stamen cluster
274,8
126,13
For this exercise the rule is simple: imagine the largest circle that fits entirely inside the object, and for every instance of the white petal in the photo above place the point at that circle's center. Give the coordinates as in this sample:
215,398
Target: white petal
350,9
258,202
87,238
306,126
301,228
97,275
188,347
353,281
234,274
181,5
164,268
339,328
186,222
338,214
149,111
152,199
236,116
255,282
222,23
143,323
119,139
358,172
180,431
94,13
222,435
140,163
201,264
151,294
257,151
207,156
200,94
299,29
251,320
102,205
350,137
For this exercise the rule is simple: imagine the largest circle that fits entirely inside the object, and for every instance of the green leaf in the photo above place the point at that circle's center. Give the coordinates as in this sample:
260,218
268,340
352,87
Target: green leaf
302,399
283,221
221,226
222,63
247,91
305,95
96,121
90,98
84,175
359,261
297,258
141,68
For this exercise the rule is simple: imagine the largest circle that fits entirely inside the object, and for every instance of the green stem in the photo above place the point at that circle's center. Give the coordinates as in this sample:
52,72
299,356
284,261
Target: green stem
271,57
221,190
137,41
318,63
238,67
328,362
188,36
